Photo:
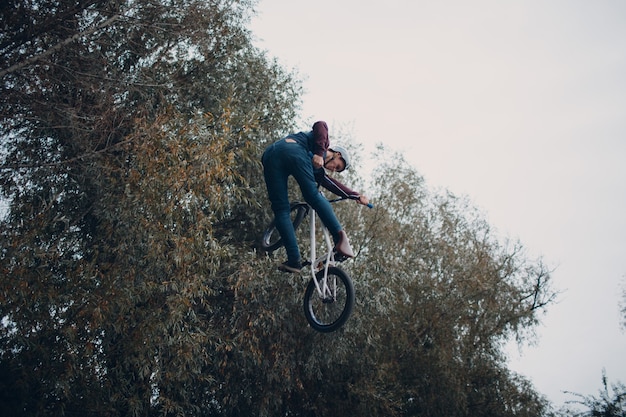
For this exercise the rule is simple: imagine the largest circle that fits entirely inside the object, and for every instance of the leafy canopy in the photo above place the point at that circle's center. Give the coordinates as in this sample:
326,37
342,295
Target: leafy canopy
131,137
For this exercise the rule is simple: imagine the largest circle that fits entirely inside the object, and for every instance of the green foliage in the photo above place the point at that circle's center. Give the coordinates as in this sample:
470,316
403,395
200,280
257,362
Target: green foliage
130,163
436,283
131,139
608,404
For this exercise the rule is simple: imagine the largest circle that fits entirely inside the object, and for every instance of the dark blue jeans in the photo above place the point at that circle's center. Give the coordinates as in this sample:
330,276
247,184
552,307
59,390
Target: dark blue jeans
280,160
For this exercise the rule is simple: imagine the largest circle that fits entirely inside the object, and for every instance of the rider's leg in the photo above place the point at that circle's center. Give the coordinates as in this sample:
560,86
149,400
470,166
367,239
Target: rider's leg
303,173
323,208
276,176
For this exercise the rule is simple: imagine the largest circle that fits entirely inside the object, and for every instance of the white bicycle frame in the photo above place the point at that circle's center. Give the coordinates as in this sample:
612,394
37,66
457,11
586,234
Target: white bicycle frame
324,261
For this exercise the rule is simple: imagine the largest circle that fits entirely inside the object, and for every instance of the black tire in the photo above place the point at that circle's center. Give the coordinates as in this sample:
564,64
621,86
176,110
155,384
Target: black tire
271,239
327,315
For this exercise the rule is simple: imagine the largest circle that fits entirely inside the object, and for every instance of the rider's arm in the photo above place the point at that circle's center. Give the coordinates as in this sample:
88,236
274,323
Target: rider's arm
320,138
335,186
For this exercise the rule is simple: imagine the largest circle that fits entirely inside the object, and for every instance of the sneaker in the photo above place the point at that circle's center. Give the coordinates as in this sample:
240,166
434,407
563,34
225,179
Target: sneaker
294,267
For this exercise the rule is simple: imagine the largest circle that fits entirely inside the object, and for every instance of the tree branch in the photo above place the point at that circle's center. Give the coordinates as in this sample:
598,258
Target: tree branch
57,47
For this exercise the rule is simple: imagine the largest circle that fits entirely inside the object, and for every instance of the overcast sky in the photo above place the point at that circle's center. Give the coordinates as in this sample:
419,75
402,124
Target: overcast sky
521,106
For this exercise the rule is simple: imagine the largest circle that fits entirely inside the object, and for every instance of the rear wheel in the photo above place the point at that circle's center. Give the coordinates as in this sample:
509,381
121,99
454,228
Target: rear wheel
271,239
328,312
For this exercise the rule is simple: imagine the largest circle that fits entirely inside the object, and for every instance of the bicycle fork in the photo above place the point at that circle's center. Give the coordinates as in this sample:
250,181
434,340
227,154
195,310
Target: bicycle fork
323,289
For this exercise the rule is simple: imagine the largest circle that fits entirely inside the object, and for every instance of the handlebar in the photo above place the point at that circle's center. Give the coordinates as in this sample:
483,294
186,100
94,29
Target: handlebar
334,200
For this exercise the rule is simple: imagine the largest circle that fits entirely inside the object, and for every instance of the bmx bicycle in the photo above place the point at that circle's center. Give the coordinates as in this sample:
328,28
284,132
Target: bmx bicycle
329,296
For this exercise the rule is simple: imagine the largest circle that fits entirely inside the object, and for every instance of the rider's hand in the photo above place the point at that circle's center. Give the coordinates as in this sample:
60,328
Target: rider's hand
318,161
363,200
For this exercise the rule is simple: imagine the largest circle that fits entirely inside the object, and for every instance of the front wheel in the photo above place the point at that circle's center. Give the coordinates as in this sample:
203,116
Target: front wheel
271,239
329,311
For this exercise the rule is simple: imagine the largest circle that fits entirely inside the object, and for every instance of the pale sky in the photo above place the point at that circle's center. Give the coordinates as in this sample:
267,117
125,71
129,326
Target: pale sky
521,106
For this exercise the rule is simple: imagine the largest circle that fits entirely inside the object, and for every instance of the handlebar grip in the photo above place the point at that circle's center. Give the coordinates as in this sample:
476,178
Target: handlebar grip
370,205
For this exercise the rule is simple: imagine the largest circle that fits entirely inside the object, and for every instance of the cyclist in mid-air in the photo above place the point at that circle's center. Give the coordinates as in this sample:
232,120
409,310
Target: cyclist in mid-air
305,155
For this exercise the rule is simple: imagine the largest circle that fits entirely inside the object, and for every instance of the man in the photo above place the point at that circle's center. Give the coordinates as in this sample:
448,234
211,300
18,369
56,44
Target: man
305,155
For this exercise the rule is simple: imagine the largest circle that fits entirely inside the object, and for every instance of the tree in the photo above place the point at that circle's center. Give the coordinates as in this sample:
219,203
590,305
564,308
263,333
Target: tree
606,405
448,294
130,134
131,138
437,297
